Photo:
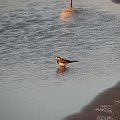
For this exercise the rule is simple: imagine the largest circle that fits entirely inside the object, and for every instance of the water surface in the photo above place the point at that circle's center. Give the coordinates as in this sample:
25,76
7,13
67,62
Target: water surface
32,33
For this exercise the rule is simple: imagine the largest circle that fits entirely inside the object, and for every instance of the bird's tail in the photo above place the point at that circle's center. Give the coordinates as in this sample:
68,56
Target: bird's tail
74,61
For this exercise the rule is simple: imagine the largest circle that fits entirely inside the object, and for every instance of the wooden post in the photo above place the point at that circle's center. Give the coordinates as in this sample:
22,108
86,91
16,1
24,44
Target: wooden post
71,4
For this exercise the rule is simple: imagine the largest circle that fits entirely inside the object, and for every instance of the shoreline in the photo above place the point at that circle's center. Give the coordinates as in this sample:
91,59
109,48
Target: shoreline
105,106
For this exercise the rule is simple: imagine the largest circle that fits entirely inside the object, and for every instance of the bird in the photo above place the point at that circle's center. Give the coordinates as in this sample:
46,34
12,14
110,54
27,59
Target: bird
63,62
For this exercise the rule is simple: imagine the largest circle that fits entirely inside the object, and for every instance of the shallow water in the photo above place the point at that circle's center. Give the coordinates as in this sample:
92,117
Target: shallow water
32,33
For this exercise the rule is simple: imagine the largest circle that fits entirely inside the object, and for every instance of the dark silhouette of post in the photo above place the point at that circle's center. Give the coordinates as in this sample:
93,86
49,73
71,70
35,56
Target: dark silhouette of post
71,4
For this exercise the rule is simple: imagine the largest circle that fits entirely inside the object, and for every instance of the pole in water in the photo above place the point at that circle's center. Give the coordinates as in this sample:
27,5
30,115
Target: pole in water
71,4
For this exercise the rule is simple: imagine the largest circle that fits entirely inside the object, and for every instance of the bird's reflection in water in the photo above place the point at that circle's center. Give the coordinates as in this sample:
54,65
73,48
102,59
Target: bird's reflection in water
67,13
62,70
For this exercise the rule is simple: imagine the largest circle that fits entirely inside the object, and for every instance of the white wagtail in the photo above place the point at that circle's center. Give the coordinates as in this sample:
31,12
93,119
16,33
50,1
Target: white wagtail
63,62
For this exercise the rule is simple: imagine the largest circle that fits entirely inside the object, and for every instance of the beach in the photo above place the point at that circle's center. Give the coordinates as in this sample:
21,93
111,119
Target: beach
33,33
104,106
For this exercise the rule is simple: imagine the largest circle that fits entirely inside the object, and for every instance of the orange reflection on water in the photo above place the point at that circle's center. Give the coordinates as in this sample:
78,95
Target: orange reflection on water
67,13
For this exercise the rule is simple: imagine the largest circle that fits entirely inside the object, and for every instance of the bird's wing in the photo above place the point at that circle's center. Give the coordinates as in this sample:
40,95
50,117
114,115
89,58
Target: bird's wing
65,61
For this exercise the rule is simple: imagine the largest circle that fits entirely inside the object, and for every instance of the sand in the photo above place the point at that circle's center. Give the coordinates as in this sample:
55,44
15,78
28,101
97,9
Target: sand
106,106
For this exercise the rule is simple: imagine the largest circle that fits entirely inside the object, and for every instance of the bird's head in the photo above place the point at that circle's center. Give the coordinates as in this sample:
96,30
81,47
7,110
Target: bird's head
57,58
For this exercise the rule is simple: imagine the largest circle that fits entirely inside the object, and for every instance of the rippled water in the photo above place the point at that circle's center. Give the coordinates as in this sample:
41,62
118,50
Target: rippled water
32,33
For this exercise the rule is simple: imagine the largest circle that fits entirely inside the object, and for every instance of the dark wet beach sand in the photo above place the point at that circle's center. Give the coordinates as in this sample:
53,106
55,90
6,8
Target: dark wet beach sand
116,1
106,106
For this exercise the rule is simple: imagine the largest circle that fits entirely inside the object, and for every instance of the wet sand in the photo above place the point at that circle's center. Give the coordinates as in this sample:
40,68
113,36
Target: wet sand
111,6
106,106
116,1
